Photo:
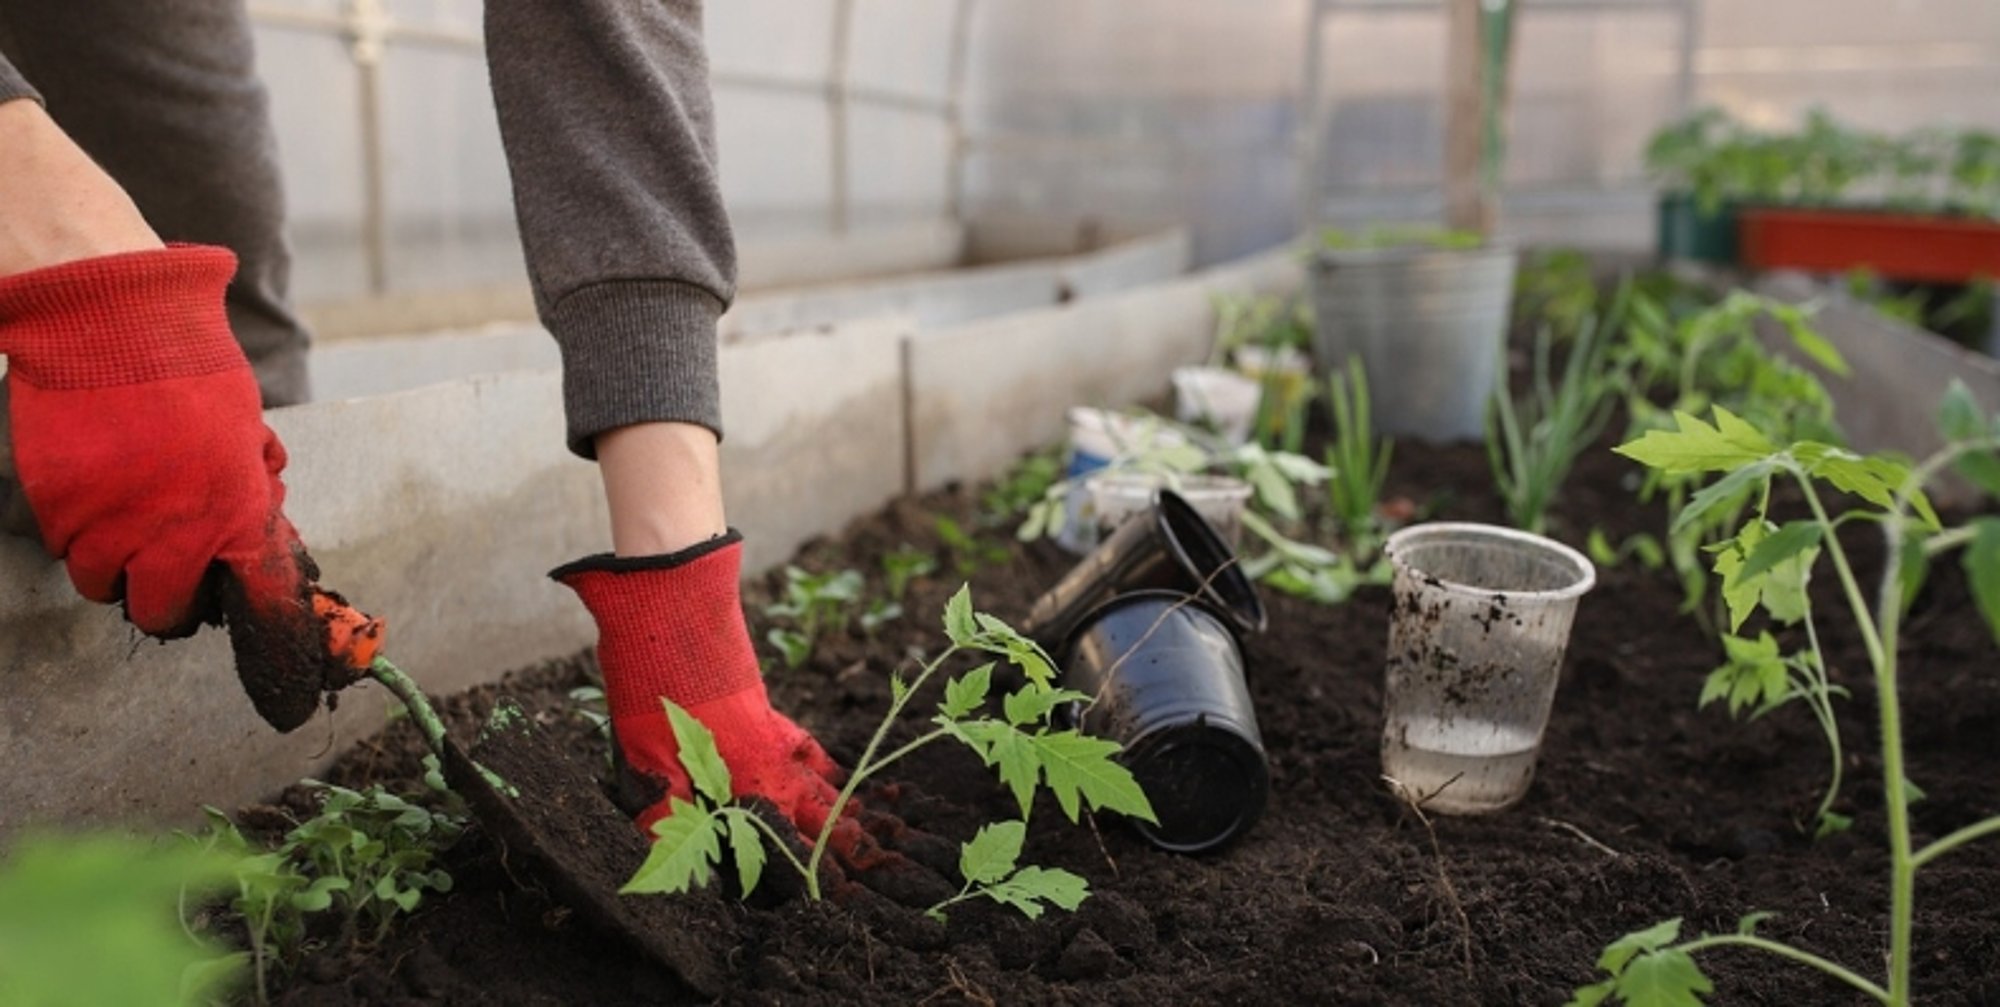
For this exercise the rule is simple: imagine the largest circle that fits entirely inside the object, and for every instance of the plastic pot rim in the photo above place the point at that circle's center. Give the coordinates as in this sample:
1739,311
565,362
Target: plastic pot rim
1586,571
1191,487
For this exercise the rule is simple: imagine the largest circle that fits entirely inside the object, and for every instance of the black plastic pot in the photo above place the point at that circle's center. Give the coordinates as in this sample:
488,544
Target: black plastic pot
1167,682
1174,549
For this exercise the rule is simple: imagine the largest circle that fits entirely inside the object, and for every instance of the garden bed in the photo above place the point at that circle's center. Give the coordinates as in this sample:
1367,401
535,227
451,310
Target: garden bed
1643,808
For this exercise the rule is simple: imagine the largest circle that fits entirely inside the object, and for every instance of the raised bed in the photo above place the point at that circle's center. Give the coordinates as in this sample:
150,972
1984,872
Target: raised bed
1643,808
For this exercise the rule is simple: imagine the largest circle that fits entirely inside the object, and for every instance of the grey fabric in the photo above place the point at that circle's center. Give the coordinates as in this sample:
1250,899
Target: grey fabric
164,95
609,129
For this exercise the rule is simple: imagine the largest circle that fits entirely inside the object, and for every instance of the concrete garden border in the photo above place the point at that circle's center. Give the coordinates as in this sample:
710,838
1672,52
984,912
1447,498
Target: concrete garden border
1900,374
438,506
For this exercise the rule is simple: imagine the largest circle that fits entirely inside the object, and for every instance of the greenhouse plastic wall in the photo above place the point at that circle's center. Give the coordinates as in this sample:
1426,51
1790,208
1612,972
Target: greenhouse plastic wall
1594,78
1103,116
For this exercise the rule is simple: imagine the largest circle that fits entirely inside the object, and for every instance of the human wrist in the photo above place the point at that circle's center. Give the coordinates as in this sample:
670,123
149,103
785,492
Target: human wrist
56,204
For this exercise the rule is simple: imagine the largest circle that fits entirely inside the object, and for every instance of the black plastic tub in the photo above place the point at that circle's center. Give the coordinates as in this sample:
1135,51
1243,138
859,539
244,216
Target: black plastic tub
1166,678
1173,548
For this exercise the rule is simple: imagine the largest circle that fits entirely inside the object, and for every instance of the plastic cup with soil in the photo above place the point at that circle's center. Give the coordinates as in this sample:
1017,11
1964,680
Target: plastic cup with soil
1481,619
1117,497
1166,680
1217,398
1170,548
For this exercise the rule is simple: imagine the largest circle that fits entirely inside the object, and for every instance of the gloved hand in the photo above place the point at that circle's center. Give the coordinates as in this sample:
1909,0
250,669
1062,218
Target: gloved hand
672,627
139,442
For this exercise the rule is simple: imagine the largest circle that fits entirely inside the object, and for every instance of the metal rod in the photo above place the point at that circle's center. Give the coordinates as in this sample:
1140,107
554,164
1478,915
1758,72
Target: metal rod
1311,131
367,25
836,113
315,22
954,117
1684,89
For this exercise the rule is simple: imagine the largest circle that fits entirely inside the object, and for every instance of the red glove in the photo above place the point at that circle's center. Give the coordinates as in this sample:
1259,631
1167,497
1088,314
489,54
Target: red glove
139,441
672,627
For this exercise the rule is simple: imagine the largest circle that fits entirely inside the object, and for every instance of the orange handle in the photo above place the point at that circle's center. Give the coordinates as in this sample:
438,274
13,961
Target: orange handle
351,635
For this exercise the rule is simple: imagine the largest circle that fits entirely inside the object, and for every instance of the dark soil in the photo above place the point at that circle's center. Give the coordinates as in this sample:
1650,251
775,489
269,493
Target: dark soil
1643,808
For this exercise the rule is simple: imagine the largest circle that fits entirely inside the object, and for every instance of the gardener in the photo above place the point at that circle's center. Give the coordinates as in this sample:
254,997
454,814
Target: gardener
140,226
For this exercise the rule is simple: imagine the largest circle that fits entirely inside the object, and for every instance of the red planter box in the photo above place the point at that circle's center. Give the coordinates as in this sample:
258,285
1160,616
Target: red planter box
1895,246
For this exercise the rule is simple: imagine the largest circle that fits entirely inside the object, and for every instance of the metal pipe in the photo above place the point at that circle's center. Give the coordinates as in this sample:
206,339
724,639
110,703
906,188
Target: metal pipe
1311,131
836,111
1690,43
367,27
955,74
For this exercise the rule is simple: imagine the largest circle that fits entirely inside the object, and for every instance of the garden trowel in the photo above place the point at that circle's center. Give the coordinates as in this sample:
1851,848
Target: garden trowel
535,799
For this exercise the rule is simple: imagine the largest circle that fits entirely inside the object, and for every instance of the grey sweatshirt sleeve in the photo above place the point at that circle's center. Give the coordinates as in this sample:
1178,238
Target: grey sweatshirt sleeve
12,84
609,131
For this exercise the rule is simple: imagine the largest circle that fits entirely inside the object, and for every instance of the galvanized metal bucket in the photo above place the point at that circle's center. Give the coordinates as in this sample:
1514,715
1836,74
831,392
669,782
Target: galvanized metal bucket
1428,323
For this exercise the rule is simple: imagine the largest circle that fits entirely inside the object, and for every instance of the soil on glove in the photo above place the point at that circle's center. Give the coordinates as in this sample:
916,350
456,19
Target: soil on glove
1643,808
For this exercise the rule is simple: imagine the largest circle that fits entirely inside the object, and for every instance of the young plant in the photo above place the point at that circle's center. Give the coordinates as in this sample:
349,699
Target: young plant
902,566
90,919
1533,443
1028,481
1694,356
969,552
384,847
1022,745
988,862
273,898
816,604
1358,462
1654,966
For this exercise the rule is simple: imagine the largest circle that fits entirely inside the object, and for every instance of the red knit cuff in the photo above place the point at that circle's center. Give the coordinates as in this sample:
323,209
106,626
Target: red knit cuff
124,319
676,631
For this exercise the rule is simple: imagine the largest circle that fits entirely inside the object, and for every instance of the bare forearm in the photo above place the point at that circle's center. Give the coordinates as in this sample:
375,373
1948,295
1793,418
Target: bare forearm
56,205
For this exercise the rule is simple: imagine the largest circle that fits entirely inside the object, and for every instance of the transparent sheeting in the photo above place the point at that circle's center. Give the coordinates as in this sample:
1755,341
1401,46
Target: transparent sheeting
1129,115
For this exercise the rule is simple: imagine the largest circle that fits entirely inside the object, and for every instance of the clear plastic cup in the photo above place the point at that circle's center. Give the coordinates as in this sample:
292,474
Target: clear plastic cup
1098,438
1476,639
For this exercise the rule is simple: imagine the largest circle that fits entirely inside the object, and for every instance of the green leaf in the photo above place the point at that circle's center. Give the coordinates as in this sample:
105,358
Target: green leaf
964,694
1816,347
1982,468
1016,757
1794,538
1666,978
1273,491
1031,886
1754,676
1831,822
90,919
1600,549
1747,926
990,855
318,896
1592,995
746,844
792,645
703,763
1079,765
958,623
1959,417
1619,952
1031,705
1730,488
1697,447
1982,570
686,842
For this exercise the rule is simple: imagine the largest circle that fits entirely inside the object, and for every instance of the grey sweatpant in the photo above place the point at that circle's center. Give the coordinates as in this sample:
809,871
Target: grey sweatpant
608,128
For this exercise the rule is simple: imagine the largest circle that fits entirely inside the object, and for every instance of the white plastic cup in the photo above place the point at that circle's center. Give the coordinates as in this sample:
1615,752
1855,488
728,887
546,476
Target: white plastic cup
1217,398
1097,438
1117,497
1482,617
